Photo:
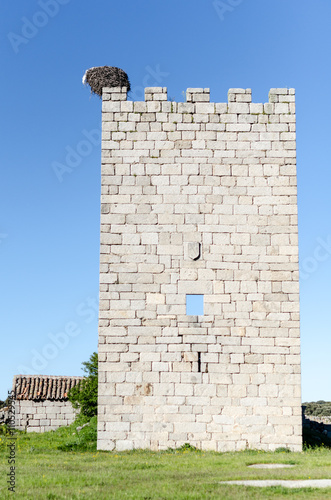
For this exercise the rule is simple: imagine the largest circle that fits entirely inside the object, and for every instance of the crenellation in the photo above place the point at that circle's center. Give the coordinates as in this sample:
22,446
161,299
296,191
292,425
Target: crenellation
156,94
197,95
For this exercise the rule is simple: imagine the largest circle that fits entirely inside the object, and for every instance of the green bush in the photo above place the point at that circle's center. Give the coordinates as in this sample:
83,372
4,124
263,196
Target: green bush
84,439
314,439
318,409
84,395
5,430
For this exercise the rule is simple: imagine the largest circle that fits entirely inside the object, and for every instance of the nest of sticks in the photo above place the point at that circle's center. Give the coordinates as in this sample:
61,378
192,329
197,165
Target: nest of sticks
105,76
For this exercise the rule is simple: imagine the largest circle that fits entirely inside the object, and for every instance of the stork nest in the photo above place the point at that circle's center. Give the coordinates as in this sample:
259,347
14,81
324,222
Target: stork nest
105,76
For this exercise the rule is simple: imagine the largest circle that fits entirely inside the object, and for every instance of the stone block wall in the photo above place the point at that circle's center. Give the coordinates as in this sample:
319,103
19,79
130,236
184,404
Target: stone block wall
41,416
220,177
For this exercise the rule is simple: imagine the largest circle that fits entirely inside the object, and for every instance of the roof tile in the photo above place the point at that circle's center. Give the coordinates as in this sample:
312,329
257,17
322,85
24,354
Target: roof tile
43,387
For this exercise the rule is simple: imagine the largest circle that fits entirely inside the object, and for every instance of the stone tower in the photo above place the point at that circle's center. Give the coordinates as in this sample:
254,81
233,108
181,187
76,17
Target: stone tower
199,203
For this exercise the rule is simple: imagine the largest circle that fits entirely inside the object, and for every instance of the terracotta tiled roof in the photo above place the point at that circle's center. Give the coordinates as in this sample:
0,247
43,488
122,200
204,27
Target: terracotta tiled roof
42,387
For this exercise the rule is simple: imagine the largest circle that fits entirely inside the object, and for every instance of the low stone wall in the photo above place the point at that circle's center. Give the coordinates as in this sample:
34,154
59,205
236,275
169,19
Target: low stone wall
320,420
41,416
320,424
4,415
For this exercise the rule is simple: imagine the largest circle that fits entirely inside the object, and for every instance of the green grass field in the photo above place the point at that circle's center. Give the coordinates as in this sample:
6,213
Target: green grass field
78,471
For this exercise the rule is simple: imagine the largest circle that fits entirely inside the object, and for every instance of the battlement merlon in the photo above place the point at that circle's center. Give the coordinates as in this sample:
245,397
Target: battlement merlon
281,102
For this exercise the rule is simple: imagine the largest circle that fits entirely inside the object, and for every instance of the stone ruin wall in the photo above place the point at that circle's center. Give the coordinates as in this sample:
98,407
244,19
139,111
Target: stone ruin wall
220,178
42,416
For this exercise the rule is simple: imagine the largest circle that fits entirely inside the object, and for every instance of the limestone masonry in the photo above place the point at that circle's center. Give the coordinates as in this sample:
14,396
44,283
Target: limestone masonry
199,198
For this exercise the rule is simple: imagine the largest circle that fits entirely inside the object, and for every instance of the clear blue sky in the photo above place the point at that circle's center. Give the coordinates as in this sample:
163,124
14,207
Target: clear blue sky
49,230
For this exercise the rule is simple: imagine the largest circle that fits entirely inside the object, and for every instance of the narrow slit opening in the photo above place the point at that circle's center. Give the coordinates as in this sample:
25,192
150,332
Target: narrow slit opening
199,361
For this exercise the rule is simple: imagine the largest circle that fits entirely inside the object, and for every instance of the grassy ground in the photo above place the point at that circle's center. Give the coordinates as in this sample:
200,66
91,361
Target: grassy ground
78,471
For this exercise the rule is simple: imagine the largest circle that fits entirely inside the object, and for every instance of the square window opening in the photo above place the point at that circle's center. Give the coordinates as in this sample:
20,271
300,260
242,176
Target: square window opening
194,305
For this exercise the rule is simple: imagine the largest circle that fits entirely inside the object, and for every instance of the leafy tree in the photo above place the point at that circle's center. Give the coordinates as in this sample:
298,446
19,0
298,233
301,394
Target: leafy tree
319,408
85,394
4,403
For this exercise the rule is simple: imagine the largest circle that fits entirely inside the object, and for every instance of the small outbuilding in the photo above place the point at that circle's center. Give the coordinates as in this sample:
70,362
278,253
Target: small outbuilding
41,402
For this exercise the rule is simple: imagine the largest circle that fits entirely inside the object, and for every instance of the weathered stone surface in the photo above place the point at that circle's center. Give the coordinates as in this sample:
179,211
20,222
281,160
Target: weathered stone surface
199,198
42,416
